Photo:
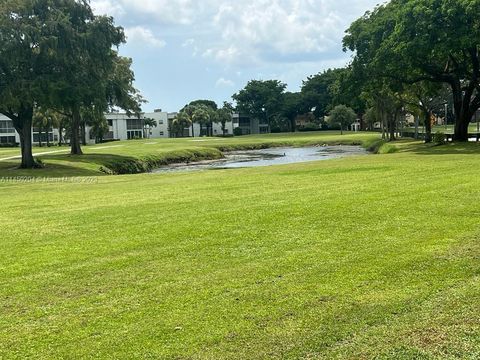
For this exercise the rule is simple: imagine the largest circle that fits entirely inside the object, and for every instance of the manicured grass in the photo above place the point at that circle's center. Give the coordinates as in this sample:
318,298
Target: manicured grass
363,257
141,155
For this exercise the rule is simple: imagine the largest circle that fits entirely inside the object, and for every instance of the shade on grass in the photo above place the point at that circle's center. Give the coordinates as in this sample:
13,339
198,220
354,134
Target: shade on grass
350,258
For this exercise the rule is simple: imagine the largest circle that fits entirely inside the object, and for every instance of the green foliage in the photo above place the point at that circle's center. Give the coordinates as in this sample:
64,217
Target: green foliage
131,165
237,131
261,99
309,127
436,41
387,148
208,103
318,91
439,138
371,117
379,146
224,115
342,116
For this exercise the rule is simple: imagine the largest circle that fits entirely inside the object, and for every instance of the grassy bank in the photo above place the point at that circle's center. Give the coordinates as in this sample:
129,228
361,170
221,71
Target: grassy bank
356,258
138,156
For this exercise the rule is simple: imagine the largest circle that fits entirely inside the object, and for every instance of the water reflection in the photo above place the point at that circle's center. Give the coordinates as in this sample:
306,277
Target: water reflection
269,157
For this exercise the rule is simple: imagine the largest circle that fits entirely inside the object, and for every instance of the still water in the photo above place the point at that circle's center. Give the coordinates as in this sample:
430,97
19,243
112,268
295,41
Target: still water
268,157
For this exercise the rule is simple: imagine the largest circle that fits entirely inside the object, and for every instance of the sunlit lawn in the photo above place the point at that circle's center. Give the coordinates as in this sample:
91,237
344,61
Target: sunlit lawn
362,257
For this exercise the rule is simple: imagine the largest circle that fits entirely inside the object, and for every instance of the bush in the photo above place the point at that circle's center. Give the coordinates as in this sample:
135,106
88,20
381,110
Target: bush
309,127
439,138
379,146
387,148
131,165
237,132
9,145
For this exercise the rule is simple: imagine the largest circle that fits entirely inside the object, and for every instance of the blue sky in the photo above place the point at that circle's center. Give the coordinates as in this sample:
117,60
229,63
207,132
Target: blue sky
184,50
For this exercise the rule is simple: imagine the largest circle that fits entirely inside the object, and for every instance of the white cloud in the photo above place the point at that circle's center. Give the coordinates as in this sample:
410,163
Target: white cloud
140,34
108,7
246,32
223,83
188,43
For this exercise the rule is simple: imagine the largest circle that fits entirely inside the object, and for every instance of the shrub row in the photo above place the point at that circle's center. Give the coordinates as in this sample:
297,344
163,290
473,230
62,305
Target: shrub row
131,165
379,146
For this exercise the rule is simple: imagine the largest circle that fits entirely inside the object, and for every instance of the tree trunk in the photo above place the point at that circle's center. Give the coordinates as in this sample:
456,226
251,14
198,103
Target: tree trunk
75,148
23,125
461,127
392,131
193,131
464,111
39,136
60,135
84,133
391,127
48,135
417,122
384,121
428,126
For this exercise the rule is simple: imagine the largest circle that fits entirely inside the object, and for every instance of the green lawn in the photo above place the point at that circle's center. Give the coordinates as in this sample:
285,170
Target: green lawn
363,257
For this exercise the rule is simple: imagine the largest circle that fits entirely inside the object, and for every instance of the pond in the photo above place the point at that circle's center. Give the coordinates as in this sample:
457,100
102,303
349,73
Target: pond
268,157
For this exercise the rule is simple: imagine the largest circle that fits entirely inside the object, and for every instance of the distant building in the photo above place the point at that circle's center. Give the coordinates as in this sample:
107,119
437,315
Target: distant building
8,135
124,127
121,126
249,125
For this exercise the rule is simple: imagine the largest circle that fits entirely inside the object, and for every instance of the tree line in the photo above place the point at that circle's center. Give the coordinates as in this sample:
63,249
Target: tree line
59,63
408,56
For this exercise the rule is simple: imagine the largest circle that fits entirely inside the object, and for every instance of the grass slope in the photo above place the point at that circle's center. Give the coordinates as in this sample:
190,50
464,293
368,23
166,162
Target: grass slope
360,257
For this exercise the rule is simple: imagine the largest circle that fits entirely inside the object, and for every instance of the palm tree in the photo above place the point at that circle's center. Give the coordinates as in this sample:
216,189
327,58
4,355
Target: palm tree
181,121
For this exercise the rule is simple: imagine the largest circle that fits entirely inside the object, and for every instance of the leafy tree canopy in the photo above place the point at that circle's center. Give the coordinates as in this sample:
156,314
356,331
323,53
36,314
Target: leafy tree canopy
424,40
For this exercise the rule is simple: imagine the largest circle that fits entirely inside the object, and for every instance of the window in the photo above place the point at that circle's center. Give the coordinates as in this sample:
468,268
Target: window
7,139
162,133
134,124
110,122
43,138
6,127
134,134
160,122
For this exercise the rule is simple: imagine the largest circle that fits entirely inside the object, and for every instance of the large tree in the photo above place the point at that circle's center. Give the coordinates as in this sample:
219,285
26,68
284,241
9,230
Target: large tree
90,73
261,99
318,91
293,106
342,116
204,113
224,115
28,39
424,40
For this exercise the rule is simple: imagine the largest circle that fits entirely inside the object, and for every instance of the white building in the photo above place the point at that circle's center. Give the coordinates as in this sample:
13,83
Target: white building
120,127
124,127
8,135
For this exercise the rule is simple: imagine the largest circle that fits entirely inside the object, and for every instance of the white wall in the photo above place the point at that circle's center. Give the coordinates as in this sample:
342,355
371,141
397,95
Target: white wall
161,131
